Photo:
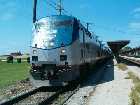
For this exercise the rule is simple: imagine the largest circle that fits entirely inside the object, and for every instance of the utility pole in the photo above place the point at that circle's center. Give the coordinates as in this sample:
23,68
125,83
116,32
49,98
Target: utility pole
34,11
59,7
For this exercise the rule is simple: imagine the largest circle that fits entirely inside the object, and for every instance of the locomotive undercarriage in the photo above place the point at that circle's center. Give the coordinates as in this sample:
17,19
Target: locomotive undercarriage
51,74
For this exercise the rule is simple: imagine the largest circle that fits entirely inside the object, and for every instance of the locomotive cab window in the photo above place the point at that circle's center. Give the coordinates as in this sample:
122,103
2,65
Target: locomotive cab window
34,58
63,57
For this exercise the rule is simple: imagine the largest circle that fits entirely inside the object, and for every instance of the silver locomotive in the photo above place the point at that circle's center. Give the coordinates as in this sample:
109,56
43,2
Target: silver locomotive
61,49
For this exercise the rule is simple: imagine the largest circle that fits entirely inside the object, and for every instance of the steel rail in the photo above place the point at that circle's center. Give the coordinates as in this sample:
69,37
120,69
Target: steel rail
20,97
136,62
50,99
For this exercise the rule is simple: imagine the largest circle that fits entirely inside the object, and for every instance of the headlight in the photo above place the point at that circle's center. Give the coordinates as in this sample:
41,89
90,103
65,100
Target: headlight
51,43
35,70
34,51
63,51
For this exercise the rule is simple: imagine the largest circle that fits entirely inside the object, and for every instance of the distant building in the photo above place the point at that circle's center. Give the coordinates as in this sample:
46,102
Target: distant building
16,54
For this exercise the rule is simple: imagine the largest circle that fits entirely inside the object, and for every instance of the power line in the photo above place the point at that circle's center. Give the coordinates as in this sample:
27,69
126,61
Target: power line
62,10
58,7
50,4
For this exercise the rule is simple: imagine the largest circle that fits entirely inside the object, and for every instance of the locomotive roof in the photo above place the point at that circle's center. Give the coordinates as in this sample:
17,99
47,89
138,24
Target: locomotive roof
65,17
56,17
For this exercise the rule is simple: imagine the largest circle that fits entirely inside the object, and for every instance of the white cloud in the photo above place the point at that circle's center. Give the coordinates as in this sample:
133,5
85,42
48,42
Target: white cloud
136,10
136,16
136,13
135,25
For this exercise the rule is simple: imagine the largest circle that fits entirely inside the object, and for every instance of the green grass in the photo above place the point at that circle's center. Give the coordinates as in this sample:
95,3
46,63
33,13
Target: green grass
122,66
10,73
135,91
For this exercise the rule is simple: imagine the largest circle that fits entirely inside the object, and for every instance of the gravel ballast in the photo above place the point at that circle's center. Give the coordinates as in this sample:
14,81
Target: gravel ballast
15,89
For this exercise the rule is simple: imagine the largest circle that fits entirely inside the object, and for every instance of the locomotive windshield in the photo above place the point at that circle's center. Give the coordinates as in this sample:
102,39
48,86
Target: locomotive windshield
52,33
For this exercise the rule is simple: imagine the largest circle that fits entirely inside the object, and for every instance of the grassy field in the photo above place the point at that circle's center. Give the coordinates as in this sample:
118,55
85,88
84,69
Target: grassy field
10,73
135,91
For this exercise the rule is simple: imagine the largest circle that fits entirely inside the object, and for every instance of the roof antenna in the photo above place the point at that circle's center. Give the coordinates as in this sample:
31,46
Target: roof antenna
87,24
59,7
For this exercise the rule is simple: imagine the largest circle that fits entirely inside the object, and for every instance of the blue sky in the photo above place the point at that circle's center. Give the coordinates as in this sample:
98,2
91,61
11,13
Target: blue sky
111,20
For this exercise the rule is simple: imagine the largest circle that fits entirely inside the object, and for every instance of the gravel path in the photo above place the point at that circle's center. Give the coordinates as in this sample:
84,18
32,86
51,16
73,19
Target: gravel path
113,89
115,92
81,96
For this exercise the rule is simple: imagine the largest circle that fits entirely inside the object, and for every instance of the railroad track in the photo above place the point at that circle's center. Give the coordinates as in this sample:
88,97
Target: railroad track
20,97
134,61
23,98
34,97
59,97
65,98
62,100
